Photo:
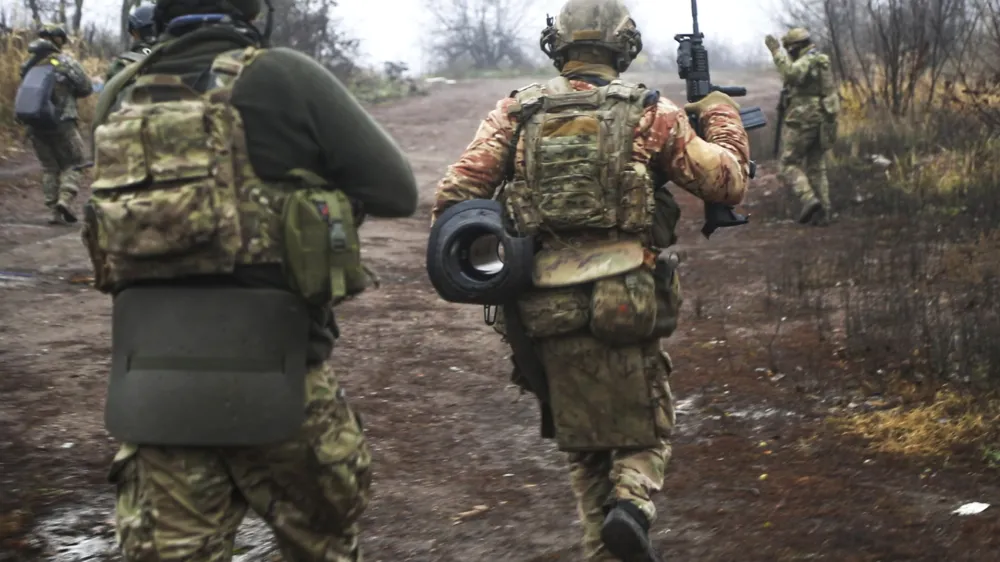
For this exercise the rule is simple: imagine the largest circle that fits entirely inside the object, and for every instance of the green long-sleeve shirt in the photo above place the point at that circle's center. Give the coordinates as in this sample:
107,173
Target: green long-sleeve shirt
297,115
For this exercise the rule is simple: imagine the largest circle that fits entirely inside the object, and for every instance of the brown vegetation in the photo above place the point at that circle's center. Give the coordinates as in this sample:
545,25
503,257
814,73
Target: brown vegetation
915,173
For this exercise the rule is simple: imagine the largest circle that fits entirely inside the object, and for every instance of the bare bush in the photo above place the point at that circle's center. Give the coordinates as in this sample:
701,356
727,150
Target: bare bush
478,34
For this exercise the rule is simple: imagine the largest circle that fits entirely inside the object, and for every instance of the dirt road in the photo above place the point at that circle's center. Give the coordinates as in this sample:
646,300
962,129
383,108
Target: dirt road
461,474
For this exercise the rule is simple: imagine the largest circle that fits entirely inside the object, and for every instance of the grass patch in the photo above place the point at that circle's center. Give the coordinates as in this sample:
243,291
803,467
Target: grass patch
950,422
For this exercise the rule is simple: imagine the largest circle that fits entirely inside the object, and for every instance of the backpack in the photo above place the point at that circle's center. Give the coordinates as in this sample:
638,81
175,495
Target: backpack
33,103
175,195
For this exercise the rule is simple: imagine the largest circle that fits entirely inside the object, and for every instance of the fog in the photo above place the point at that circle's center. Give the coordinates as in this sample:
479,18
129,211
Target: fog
394,30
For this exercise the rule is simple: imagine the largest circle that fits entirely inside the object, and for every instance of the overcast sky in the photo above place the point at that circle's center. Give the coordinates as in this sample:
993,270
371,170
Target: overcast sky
392,30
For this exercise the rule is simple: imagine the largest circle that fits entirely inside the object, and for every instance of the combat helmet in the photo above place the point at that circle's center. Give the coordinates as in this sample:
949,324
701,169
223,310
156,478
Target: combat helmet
599,23
141,22
52,31
795,36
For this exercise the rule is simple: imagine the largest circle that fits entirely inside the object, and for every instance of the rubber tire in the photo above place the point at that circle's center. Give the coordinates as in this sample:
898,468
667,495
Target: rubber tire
454,280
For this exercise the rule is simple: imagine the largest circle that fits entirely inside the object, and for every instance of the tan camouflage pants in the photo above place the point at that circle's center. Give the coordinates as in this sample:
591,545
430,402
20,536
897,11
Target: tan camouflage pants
177,504
59,151
803,163
600,478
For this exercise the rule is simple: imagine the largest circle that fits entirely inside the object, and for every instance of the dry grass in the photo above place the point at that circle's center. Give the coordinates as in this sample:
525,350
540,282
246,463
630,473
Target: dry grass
949,422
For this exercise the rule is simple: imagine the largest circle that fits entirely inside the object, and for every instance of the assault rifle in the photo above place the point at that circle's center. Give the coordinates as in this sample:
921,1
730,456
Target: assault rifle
692,67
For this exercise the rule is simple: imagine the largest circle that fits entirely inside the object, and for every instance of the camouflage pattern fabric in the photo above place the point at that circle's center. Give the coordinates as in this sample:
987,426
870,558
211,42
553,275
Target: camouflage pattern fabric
204,209
59,152
635,475
810,116
185,504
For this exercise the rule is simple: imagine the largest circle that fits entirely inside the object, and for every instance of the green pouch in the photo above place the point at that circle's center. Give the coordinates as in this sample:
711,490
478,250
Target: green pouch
322,249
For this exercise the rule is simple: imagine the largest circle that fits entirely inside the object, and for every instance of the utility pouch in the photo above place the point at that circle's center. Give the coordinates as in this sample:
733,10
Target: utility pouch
553,312
199,366
322,251
623,308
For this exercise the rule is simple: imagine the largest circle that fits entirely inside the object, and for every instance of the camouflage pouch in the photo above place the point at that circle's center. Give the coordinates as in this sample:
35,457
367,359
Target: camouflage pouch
637,202
554,312
322,251
601,396
668,297
159,207
623,308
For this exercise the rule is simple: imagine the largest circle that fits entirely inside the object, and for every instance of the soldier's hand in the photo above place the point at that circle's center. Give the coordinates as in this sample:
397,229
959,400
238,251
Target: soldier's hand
714,98
772,43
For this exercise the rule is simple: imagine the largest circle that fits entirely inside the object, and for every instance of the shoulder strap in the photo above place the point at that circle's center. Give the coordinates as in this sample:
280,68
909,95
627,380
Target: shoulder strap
131,56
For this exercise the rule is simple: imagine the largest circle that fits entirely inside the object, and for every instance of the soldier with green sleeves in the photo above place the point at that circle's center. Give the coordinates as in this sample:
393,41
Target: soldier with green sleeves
810,116
55,138
223,220
142,30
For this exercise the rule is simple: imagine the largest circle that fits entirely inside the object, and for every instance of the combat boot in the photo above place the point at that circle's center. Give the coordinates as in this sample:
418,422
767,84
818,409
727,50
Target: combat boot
625,533
810,209
62,209
56,217
821,218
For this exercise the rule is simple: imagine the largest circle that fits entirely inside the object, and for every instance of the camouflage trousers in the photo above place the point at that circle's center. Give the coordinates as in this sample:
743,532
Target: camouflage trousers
177,504
600,478
803,163
59,151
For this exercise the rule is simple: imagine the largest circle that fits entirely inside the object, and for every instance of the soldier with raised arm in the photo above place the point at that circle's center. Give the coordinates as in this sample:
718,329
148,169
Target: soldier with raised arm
810,103
581,162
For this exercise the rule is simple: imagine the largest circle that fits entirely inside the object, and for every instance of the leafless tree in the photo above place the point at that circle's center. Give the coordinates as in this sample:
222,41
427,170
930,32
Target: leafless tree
888,49
484,34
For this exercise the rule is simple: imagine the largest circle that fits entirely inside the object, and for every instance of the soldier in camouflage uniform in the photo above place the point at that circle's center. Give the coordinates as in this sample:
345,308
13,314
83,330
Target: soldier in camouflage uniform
581,162
295,129
811,107
60,151
143,32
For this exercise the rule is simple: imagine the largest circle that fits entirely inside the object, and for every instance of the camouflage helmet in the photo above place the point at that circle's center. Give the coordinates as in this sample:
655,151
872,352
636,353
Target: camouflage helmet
597,23
53,31
795,36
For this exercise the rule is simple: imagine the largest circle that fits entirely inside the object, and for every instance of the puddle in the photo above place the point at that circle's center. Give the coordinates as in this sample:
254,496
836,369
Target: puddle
87,534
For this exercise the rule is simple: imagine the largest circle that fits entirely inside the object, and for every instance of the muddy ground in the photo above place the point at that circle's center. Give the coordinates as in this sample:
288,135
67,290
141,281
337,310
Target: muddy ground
461,473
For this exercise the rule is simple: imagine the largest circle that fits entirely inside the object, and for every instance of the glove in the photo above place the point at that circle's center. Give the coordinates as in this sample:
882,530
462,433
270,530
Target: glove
714,98
772,44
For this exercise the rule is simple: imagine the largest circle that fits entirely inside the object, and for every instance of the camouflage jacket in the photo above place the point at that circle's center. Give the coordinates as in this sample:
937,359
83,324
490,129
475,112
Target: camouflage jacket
715,169
808,79
72,82
122,60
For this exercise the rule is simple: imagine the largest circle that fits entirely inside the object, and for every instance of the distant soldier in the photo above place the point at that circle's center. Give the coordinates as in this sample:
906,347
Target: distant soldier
811,104
581,161
51,82
142,29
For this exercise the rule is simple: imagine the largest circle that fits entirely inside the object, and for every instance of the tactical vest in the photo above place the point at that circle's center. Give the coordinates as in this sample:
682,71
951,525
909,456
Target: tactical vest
175,194
578,176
